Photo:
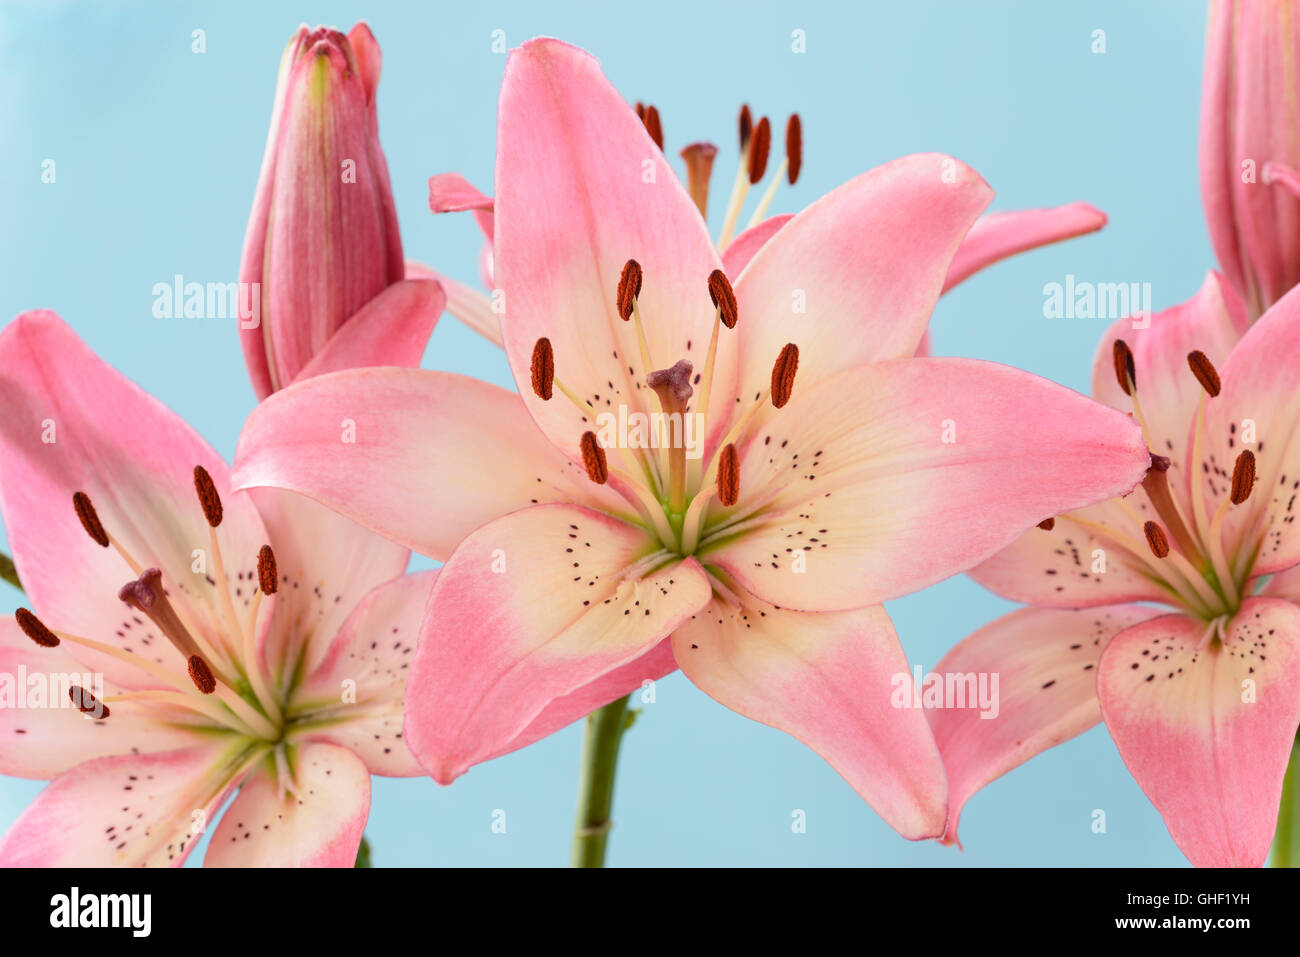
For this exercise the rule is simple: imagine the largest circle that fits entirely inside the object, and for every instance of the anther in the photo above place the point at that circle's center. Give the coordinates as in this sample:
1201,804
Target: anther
201,675
653,126
89,518
762,142
629,287
593,459
1047,524
1156,539
35,629
729,475
267,577
1243,476
87,703
787,363
1205,373
543,368
793,147
208,496
724,298
746,126
1125,369
699,170
640,111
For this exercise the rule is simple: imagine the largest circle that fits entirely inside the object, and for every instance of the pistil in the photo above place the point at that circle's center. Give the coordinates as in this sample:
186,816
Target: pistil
673,386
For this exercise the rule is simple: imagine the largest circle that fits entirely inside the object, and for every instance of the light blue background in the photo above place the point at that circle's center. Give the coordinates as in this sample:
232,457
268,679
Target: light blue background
157,153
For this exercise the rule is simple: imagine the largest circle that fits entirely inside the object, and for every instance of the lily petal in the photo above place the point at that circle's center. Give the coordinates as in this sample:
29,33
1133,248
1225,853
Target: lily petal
998,236
742,249
465,303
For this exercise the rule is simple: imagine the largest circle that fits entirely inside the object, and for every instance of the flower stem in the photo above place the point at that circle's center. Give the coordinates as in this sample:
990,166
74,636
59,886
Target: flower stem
604,734
363,853
1286,840
8,572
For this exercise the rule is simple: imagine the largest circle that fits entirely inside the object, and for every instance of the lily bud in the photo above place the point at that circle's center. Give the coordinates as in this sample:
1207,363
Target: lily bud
323,240
1250,147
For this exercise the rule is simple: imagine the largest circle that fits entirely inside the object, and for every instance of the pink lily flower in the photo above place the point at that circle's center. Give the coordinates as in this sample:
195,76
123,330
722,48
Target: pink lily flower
211,641
1250,147
577,567
323,254
1147,610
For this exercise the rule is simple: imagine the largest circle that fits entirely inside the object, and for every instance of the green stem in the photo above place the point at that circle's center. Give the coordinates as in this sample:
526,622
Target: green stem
8,572
604,734
1286,841
363,853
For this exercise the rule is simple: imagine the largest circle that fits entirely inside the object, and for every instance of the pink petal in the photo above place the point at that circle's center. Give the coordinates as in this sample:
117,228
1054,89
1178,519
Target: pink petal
390,330
742,249
417,437
362,678
1044,664
319,826
1207,733
573,204
528,609
998,236
125,811
832,681
1284,585
468,305
934,466
453,193
135,459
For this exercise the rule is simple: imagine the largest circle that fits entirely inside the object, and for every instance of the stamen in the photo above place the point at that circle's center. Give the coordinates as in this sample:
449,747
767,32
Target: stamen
724,298
1125,369
699,170
793,147
640,111
1156,539
35,629
1243,476
729,476
1205,373
1047,524
653,126
208,497
593,459
90,518
87,703
762,143
266,571
787,363
543,367
629,287
201,675
746,126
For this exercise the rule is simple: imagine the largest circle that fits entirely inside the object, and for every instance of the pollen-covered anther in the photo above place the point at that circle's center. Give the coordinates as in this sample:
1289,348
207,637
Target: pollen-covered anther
653,126
208,497
629,287
758,150
724,298
35,629
787,364
201,675
1156,539
1125,368
87,703
793,147
746,124
1047,524
543,369
1205,373
89,518
1243,476
593,459
267,577
729,475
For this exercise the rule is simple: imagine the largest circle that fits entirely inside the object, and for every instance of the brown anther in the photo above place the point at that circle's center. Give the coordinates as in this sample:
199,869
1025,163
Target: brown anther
762,143
746,126
640,111
699,170
89,518
208,497
1047,524
87,703
593,459
267,577
543,368
1205,373
1243,476
201,675
724,298
653,126
793,147
35,629
729,475
1156,539
1125,369
629,287
787,364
